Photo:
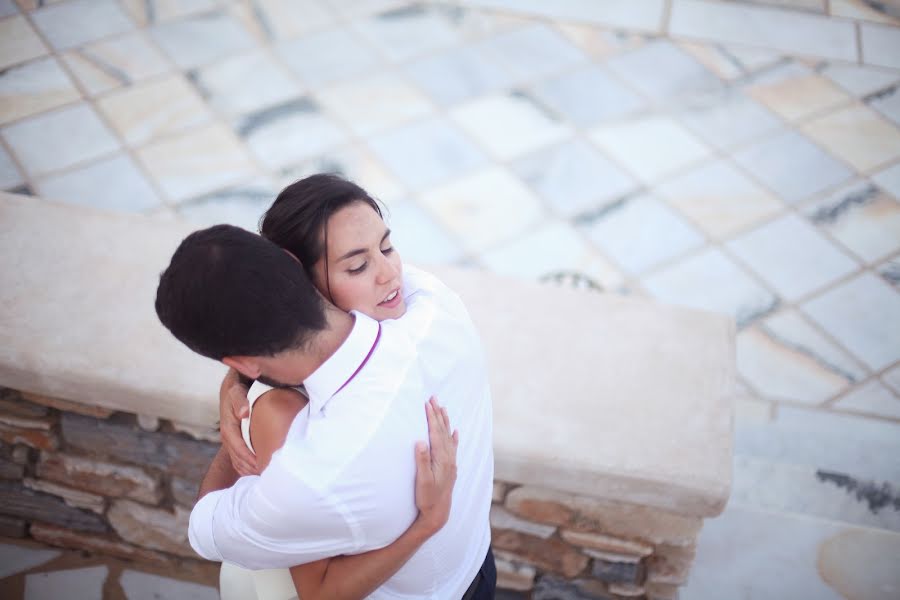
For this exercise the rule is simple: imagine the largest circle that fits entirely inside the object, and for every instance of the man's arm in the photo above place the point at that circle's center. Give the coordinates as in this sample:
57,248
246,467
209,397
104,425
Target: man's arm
250,523
355,577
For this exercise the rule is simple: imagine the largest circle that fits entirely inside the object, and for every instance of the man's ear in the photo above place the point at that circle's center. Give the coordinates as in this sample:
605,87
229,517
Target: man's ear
245,365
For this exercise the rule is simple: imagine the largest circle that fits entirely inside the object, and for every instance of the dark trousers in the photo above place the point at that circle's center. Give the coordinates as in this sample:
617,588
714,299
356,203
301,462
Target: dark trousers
486,578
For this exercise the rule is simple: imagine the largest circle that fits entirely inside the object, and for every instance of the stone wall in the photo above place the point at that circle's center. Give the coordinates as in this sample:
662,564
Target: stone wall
84,477
87,478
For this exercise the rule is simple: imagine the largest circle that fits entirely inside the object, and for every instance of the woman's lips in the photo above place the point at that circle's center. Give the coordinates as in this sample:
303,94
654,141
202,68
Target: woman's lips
393,302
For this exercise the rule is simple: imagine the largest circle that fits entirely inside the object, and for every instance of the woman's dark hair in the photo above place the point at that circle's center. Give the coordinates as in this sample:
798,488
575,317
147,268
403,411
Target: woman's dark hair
298,219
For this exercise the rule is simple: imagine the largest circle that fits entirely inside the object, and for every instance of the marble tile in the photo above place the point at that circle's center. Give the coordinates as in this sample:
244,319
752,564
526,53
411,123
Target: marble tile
327,56
601,44
553,249
651,148
354,162
408,32
144,586
15,559
647,15
10,176
880,45
241,205
862,448
509,125
782,555
872,398
418,238
70,24
891,378
426,153
288,133
154,109
8,8
665,73
116,62
859,314
787,31
531,52
729,63
587,96
202,39
75,134
794,91
728,119
862,217
110,184
815,6
353,9
285,19
457,75
84,584
245,83
711,281
719,199
148,12
485,208
889,180
791,166
18,42
887,102
859,80
803,489
374,103
865,10
890,272
33,88
641,232
783,359
857,134
198,161
573,178
792,257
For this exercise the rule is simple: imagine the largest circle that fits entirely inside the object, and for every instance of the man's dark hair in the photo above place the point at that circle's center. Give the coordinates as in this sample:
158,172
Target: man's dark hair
229,292
298,219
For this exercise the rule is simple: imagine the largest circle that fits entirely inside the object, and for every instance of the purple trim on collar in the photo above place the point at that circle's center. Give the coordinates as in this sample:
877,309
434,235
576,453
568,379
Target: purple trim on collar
363,363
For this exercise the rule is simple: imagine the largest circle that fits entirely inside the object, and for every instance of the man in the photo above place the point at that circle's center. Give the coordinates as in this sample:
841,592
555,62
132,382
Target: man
342,483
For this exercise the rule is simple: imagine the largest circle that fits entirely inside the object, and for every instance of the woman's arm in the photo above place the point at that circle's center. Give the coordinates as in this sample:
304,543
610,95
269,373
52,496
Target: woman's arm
355,577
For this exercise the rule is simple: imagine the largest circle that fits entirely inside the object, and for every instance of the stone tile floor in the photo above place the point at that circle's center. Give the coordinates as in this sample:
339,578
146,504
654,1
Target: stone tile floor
741,157
32,572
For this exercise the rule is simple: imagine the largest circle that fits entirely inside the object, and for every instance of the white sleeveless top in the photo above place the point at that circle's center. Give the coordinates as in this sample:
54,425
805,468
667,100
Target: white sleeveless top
257,390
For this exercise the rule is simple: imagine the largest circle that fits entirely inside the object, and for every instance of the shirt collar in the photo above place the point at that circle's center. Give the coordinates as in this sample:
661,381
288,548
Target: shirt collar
342,366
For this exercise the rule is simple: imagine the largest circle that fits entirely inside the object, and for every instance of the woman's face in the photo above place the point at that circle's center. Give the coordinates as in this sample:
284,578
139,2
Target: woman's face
363,270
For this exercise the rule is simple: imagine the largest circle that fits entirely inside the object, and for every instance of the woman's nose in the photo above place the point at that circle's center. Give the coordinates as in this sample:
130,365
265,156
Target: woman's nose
386,270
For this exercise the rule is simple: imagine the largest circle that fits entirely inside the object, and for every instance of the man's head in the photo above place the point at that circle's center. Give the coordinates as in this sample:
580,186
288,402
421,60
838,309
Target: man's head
234,296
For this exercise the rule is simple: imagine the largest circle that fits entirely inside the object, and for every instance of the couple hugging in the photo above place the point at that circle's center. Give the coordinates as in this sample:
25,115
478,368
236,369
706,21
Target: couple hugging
327,488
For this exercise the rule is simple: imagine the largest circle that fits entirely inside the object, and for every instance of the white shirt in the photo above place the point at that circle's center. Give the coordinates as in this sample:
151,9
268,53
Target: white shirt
343,483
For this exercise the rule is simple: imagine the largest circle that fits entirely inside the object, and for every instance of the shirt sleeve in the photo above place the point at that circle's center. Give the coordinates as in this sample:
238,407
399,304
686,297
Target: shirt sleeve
271,521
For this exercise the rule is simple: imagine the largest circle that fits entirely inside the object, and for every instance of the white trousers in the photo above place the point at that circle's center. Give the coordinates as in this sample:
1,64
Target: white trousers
236,583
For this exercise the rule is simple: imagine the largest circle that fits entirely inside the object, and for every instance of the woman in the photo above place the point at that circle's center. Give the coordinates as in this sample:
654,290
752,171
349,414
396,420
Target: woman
336,232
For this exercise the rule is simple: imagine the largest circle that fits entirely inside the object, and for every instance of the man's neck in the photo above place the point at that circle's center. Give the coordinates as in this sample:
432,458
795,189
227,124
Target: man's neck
326,342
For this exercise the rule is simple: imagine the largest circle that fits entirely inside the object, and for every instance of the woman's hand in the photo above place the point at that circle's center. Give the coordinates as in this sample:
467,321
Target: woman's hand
436,469
233,406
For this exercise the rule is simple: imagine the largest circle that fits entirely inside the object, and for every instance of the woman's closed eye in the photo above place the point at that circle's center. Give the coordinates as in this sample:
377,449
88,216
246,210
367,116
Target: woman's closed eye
358,269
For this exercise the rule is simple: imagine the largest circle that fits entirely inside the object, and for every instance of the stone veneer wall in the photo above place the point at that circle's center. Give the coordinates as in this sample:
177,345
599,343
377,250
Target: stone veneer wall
85,477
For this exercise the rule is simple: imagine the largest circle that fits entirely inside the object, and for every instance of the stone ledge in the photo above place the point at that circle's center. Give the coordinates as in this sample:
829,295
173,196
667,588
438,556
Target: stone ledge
594,394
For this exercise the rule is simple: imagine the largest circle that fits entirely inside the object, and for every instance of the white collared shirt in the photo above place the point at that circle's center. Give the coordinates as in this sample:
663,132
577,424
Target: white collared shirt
343,483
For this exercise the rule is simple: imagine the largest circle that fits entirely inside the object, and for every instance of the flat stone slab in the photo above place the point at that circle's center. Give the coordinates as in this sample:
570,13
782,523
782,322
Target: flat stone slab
594,394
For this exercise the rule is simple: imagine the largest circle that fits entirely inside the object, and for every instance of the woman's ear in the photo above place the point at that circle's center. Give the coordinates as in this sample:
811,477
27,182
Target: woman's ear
245,365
